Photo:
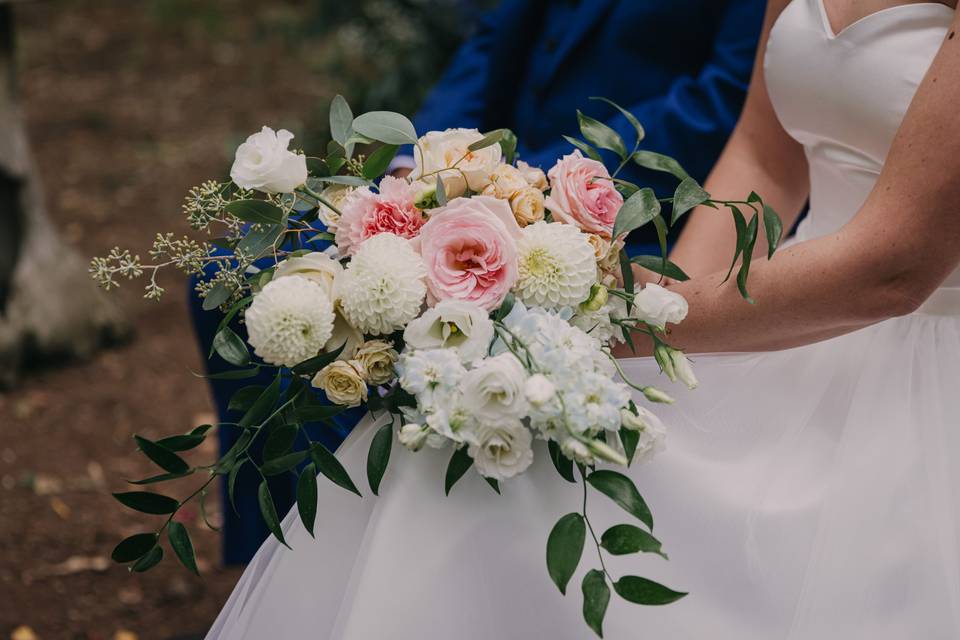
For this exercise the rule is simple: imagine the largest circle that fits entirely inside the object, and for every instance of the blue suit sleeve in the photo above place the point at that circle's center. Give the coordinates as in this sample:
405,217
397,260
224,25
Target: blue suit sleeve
694,118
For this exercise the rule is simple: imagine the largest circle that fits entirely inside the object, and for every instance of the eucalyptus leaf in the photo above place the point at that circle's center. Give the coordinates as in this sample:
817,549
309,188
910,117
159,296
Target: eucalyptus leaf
307,497
621,490
386,126
161,456
659,162
642,591
182,546
487,140
256,211
460,461
231,347
269,512
134,547
596,597
329,466
216,296
660,265
379,456
773,227
688,195
564,548
636,211
341,117
148,561
583,146
146,502
601,135
508,145
258,241
623,539
441,192
350,181
377,162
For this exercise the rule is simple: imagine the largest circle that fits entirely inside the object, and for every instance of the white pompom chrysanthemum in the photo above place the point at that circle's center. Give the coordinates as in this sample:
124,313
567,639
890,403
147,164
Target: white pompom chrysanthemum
557,266
383,288
289,321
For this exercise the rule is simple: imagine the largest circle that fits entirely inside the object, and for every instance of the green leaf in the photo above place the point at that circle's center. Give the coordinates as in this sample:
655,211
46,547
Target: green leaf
688,195
629,438
311,366
161,456
774,228
261,240
562,463
642,591
341,117
377,162
232,483
234,309
147,502
460,461
183,442
601,135
740,224
441,192
163,477
632,119
283,463
508,145
233,374
379,456
279,441
636,211
660,162
263,406
329,466
148,561
750,240
583,146
307,497
487,140
350,181
182,546
243,399
216,296
628,282
505,307
596,597
621,490
564,548
493,484
386,126
134,547
658,264
257,211
231,347
622,539
269,512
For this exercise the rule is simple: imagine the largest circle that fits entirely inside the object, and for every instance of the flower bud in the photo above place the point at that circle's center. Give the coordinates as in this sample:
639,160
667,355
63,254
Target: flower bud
576,450
412,436
538,389
605,452
656,395
598,298
662,356
681,365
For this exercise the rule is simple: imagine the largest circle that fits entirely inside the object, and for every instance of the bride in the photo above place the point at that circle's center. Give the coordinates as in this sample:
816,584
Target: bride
811,488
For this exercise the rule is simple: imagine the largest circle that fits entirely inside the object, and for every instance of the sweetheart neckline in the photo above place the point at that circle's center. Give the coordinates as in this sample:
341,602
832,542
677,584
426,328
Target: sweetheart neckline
833,35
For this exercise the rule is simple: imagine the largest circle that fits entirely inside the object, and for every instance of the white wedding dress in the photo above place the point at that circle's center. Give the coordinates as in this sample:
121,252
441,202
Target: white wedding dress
809,494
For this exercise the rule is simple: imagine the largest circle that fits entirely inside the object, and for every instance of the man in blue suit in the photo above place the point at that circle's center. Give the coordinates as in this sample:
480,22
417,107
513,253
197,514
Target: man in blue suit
682,66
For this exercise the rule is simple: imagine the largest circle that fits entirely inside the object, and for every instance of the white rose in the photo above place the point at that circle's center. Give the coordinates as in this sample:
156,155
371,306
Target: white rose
528,206
495,389
534,176
439,150
502,449
316,266
657,306
343,382
452,323
336,195
539,390
506,181
264,163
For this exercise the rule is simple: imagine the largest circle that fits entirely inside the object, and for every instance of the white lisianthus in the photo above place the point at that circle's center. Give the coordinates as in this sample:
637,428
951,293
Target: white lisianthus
651,430
502,449
683,369
412,436
539,390
265,163
657,306
336,195
315,266
534,176
439,150
495,389
343,382
383,287
576,450
556,266
452,323
289,321
377,358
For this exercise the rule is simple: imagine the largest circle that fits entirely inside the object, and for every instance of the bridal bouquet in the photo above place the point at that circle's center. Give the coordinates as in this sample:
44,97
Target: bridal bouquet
476,301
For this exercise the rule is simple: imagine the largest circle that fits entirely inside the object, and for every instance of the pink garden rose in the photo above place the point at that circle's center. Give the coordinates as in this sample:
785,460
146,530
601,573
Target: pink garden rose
366,213
582,194
469,248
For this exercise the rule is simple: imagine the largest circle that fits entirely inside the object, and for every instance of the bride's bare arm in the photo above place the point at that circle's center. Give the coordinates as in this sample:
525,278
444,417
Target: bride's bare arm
759,156
885,262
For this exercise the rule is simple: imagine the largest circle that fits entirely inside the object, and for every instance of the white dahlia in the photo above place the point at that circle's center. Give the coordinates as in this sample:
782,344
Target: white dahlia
557,266
383,287
290,320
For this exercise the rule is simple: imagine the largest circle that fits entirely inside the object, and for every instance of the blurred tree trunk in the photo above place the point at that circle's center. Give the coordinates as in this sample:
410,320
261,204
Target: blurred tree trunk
49,307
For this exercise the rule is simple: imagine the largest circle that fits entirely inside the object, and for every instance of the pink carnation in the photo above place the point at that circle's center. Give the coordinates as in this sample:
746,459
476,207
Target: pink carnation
366,213
582,194
469,248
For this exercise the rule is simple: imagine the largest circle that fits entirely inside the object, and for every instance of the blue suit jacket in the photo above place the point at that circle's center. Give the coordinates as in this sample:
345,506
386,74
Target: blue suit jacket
682,66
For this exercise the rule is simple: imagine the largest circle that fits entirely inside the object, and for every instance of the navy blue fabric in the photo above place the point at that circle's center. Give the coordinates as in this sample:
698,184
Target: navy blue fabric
681,66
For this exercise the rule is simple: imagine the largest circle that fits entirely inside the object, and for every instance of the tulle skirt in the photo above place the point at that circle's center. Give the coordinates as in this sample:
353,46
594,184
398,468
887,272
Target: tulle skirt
812,493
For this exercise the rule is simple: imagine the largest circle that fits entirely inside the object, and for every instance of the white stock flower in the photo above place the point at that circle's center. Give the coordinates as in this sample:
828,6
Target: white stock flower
431,375
651,430
442,149
383,287
556,266
289,321
576,450
264,163
343,382
539,390
452,323
657,306
495,389
502,449
315,266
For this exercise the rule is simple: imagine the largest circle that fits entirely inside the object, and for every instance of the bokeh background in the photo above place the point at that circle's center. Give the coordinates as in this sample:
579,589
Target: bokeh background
127,104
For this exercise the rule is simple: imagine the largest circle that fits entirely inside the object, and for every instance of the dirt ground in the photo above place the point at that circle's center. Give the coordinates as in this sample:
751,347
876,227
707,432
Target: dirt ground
128,107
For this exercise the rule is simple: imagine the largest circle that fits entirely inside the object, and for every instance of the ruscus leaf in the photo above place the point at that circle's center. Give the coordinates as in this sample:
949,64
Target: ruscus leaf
642,591
307,497
623,539
636,211
147,502
379,456
269,512
564,548
688,195
601,135
161,456
621,490
657,264
330,467
134,547
596,597
182,546
460,461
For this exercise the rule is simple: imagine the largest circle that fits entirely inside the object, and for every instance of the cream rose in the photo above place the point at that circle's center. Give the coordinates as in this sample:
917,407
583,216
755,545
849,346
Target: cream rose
343,382
528,206
377,358
534,176
506,181
441,150
316,266
336,195
264,163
